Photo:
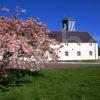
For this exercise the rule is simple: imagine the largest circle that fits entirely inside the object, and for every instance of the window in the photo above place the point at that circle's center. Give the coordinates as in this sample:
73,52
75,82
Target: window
66,53
90,53
78,53
90,44
59,51
67,44
78,44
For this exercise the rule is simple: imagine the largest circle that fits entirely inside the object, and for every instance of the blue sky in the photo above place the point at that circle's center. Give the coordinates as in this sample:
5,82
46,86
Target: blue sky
85,12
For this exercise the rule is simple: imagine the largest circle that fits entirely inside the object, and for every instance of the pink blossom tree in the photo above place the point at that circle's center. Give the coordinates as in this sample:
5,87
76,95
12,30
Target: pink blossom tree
26,38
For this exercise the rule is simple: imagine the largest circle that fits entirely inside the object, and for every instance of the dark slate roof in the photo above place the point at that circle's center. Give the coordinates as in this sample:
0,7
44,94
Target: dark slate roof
72,36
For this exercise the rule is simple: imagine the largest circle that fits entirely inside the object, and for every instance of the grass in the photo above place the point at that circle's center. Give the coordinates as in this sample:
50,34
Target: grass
53,84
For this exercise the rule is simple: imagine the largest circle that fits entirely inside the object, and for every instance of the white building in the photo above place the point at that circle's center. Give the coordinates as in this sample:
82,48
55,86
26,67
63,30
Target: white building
77,45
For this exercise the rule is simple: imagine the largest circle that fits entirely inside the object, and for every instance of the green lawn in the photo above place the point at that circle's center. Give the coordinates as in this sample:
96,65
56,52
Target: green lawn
54,84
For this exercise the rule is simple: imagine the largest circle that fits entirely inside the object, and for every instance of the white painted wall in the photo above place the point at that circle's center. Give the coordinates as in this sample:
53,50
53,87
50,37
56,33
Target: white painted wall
72,49
84,48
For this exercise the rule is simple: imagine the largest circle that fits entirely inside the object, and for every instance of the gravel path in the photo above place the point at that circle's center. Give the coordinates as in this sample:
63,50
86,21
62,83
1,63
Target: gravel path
71,64
68,64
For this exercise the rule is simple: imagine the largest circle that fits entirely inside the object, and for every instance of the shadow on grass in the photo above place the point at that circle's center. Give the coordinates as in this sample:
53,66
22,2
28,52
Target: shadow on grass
18,78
